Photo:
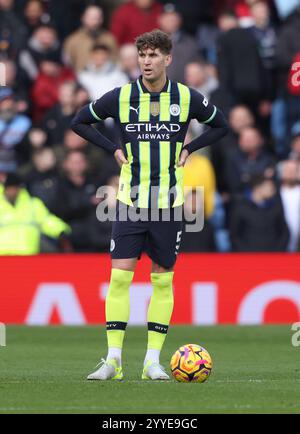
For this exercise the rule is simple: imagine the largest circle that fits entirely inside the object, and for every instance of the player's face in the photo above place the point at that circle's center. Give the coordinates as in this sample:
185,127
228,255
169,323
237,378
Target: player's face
153,63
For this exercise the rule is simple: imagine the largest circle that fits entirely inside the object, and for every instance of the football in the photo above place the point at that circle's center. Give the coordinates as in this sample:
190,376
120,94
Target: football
191,363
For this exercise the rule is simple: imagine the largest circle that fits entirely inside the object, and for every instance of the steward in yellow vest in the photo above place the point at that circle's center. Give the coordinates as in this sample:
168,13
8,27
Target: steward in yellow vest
23,219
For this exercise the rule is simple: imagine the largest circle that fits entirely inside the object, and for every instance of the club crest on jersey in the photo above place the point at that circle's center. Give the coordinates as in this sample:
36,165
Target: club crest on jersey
154,108
174,109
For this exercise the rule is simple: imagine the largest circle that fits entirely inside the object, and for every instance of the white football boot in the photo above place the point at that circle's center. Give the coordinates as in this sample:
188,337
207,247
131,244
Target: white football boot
108,370
154,371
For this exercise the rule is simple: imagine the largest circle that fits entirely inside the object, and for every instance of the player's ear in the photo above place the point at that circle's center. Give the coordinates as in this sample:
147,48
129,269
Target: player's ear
168,60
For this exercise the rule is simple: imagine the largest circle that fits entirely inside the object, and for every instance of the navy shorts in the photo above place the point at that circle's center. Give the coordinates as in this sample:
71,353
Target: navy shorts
159,239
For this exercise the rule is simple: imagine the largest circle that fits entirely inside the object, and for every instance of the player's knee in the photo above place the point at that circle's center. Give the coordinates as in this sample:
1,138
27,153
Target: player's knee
162,284
120,281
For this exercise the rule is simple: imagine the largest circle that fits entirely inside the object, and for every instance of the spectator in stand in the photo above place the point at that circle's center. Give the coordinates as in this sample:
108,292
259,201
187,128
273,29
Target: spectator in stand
248,161
290,196
265,34
206,39
193,13
184,49
57,120
44,92
199,172
34,15
13,128
76,202
17,208
242,9
241,73
13,34
36,139
286,108
101,74
243,12
42,179
68,15
42,43
131,19
129,61
78,45
295,148
198,76
14,81
240,117
81,96
199,241
72,142
257,221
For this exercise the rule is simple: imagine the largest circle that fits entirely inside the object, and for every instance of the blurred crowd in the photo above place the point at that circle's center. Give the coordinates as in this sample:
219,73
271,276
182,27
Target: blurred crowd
243,55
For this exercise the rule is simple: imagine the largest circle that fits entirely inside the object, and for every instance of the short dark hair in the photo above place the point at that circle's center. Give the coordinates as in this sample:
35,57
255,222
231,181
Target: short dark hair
12,180
258,180
227,12
153,40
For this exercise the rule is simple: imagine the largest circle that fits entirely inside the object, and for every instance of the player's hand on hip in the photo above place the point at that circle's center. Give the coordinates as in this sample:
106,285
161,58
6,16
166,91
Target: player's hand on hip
120,157
182,158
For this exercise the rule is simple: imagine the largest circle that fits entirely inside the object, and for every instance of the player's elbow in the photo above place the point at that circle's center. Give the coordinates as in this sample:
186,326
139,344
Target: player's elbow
221,123
224,129
82,117
77,125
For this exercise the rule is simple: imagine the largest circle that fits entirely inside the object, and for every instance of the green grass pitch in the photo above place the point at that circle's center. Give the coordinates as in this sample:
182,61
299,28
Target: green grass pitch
43,370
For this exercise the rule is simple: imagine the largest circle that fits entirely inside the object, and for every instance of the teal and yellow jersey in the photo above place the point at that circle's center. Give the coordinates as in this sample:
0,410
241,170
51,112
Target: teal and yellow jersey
153,127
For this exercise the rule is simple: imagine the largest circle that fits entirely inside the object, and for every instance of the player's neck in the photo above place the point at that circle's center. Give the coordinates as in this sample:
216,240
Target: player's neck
155,86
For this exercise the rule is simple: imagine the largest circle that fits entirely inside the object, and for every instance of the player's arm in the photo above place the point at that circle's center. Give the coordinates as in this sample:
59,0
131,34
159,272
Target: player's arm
208,114
97,111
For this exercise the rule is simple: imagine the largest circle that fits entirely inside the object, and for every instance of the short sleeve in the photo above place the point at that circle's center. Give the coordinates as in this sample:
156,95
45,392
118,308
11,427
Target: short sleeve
200,108
106,106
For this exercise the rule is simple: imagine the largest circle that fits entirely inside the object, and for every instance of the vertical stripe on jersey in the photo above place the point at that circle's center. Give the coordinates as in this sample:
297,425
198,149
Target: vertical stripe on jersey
145,170
124,103
164,103
172,195
144,108
184,103
175,99
179,178
164,176
125,179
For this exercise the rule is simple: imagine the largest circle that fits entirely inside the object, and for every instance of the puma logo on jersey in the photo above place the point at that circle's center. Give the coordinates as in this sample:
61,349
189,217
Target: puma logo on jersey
135,109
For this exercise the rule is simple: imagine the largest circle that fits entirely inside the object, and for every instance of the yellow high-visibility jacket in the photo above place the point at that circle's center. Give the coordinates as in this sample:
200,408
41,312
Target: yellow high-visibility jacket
21,224
199,172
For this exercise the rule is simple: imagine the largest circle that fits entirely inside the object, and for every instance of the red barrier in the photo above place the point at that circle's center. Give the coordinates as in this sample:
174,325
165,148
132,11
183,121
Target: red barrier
209,289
